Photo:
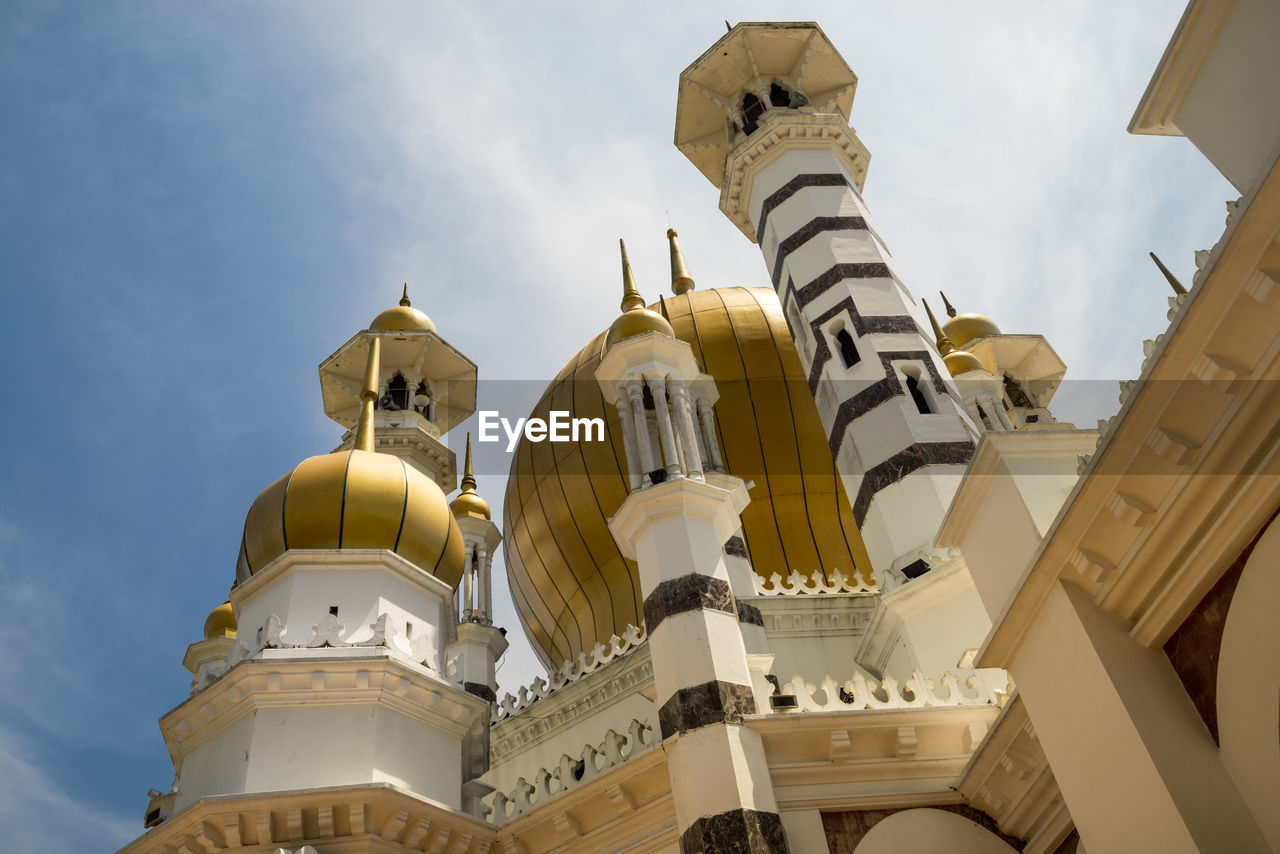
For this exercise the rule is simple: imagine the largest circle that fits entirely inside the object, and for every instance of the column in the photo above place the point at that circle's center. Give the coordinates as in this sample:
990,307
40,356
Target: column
635,392
468,573
658,389
722,792
680,397
1136,765
482,581
709,432
628,438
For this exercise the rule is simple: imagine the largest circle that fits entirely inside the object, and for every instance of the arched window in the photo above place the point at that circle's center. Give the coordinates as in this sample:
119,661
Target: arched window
983,417
917,394
1017,394
778,96
848,350
752,110
398,391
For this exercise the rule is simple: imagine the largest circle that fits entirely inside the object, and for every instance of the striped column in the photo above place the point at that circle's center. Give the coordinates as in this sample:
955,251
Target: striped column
895,424
676,531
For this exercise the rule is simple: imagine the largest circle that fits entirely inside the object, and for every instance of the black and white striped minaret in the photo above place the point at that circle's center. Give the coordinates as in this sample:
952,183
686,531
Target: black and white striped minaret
764,115
674,525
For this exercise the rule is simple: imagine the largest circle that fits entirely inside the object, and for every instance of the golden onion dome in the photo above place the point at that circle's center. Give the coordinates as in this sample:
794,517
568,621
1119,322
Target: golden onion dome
635,322
221,622
963,328
468,502
571,586
402,318
961,361
354,500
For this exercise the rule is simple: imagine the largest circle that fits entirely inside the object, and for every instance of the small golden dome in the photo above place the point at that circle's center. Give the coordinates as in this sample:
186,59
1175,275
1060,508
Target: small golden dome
402,318
635,322
221,622
469,503
354,500
960,361
964,328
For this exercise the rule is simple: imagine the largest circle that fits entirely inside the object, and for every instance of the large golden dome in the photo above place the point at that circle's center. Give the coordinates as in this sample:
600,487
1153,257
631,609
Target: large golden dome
354,500
571,586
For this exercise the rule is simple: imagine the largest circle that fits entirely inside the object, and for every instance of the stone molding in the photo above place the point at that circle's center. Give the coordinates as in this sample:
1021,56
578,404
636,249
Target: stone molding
370,816
780,131
374,678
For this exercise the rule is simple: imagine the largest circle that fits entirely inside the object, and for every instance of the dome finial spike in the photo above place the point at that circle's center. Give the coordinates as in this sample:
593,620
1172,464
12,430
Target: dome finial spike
631,298
369,395
681,281
468,477
404,300
1173,282
944,343
951,309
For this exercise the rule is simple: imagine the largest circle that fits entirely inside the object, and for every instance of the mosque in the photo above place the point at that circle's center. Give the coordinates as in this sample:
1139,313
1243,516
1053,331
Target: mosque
834,580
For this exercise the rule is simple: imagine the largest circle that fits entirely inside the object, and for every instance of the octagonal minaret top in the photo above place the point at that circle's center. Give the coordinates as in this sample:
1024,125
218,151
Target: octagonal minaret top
759,84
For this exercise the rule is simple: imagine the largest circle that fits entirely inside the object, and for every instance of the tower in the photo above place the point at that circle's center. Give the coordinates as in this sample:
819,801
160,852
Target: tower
674,524
764,115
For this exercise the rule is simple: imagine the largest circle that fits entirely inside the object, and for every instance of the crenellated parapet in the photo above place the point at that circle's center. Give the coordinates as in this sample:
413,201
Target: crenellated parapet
570,773
817,583
918,692
570,672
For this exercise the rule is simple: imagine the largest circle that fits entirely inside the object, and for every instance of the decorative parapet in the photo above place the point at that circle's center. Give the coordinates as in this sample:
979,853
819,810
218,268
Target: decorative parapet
795,584
570,773
917,692
570,672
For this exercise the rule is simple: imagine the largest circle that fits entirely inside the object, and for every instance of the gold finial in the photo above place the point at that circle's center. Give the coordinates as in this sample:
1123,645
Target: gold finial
404,300
681,281
728,26
662,304
468,478
631,298
369,395
1173,282
944,343
951,309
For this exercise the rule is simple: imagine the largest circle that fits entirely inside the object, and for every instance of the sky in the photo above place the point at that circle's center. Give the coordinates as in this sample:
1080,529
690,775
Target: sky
202,201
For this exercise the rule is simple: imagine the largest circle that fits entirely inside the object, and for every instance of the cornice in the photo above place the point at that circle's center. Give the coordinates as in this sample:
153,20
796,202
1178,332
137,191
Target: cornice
1186,52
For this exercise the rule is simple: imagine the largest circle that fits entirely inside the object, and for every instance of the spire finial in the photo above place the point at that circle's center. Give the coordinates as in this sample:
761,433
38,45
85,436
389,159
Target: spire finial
681,281
662,303
1173,282
951,309
468,477
631,298
369,395
404,300
944,343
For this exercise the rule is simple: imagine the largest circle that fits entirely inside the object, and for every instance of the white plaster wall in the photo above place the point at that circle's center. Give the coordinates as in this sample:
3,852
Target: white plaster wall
786,167
905,515
303,594
940,635
930,831
311,746
712,771
1249,685
799,648
218,766
1232,111
805,834
696,647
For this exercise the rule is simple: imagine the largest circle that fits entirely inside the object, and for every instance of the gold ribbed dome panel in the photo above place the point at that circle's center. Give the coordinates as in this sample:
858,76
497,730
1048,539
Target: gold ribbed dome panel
571,586
354,500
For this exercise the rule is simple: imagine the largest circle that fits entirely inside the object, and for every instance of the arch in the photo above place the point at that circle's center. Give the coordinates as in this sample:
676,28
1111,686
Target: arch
1249,684
912,375
398,391
848,350
930,831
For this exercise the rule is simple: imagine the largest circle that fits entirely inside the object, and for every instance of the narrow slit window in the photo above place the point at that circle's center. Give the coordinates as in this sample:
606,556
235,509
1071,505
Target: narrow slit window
333,609
848,350
917,394
982,416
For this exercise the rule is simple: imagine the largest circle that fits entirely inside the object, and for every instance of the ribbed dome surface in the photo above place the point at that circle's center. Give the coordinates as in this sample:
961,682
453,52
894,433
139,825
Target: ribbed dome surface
572,588
354,500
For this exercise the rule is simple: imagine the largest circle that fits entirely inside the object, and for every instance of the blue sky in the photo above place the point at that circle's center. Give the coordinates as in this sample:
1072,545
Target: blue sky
202,201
